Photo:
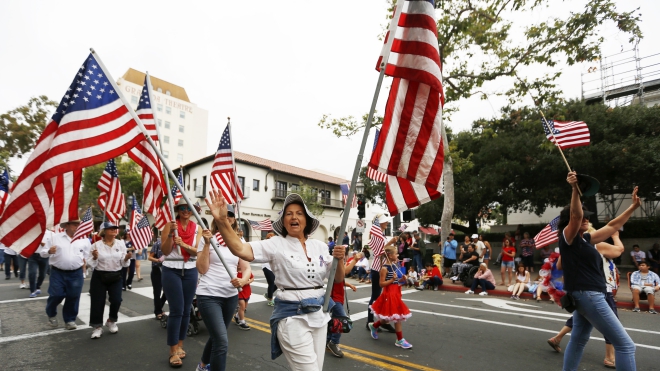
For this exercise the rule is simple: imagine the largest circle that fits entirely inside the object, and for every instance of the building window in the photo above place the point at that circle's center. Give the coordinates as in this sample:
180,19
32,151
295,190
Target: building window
133,99
159,107
180,142
280,189
204,184
180,128
160,122
166,154
241,182
255,185
325,197
160,90
295,187
167,92
166,139
195,184
168,110
167,124
182,114
179,157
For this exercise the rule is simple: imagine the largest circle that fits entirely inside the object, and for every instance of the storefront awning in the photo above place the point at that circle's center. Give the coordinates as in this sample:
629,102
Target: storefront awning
428,230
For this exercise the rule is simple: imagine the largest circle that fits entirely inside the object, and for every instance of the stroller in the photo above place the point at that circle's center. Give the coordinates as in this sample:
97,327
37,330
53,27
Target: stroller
195,319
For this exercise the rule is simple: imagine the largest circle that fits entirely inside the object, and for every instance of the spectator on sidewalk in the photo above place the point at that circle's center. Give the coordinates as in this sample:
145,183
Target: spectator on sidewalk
527,246
484,278
331,245
647,282
488,254
522,282
419,249
413,277
433,277
508,254
449,253
653,257
637,255
479,247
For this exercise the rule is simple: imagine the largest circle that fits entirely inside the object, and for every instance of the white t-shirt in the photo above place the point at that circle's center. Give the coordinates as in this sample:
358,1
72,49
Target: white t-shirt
177,261
217,281
293,269
638,255
480,248
8,250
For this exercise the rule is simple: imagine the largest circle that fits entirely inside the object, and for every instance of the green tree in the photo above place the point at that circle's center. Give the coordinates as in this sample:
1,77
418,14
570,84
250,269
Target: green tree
311,197
130,177
21,127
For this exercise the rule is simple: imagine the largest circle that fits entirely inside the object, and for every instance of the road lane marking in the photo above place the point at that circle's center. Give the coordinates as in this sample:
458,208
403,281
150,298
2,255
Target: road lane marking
20,300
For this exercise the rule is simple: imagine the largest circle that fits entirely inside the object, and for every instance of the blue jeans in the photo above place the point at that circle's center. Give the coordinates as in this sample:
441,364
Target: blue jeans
362,273
433,281
180,291
64,285
593,311
22,263
217,313
485,285
337,310
417,259
157,287
9,261
35,263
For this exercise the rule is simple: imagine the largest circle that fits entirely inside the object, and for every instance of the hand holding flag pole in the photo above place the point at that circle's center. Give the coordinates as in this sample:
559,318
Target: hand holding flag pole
162,159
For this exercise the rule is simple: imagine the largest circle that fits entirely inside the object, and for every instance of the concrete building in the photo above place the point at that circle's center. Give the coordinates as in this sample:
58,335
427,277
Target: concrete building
180,121
265,184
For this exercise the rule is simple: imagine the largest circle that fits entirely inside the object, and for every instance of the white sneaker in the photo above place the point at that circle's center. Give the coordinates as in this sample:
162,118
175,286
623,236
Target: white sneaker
71,326
112,326
455,278
97,333
469,292
23,286
84,275
483,293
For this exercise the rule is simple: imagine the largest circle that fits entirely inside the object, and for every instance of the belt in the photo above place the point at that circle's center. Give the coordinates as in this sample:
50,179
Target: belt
65,270
301,288
179,259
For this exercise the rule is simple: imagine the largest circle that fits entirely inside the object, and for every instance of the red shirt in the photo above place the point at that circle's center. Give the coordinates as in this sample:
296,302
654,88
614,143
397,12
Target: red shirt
337,294
510,250
247,290
435,272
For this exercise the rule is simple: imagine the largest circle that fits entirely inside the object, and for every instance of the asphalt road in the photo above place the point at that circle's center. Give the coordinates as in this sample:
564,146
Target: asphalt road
449,332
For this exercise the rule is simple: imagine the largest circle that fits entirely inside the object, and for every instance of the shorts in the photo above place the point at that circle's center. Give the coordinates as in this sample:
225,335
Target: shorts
509,264
486,256
447,263
245,299
648,290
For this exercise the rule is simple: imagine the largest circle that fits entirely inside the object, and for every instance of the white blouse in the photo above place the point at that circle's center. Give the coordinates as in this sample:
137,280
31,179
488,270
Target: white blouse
292,269
175,259
217,282
111,258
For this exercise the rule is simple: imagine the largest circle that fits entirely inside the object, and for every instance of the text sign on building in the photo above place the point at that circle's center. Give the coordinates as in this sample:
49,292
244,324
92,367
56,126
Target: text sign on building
359,226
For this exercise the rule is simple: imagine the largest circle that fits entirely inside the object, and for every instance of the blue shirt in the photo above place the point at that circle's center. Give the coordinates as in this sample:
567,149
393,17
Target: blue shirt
449,250
651,277
155,249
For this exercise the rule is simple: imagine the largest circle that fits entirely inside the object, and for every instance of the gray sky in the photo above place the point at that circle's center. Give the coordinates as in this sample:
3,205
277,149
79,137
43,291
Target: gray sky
274,67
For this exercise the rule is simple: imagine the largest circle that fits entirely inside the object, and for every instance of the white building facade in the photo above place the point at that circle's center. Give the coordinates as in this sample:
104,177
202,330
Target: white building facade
265,184
181,123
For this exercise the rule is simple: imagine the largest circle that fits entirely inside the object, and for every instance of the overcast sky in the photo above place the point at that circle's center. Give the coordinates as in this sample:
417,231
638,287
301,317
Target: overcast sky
274,67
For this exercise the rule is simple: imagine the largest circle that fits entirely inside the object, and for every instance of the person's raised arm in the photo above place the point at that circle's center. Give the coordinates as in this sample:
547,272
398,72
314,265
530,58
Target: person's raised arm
577,215
218,207
611,251
618,222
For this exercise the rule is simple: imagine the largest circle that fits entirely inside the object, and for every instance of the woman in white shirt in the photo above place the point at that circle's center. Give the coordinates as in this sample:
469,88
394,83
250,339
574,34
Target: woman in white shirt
108,257
522,282
217,295
300,264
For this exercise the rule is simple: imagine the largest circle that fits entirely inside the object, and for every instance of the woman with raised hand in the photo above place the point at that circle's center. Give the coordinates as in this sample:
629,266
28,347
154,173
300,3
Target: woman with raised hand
300,264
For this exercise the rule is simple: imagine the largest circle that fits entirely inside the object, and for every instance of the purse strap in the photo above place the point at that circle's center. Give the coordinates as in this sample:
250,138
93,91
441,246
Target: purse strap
348,310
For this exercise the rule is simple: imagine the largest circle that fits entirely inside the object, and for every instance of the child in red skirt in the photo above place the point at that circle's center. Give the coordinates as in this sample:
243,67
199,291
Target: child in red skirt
243,298
389,307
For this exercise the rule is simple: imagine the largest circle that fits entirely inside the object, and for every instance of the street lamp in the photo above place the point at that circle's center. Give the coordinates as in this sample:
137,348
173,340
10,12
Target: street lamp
359,188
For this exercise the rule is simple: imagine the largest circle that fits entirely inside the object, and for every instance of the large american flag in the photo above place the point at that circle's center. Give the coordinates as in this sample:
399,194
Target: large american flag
141,234
136,214
224,173
375,174
90,125
86,227
568,133
345,188
264,225
111,199
547,235
410,145
145,156
4,190
377,244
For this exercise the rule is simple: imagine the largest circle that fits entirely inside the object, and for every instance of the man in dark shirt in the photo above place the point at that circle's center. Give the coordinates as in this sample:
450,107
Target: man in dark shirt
346,241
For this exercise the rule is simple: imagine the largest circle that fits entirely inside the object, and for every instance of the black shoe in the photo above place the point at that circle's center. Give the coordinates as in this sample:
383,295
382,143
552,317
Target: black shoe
334,349
123,288
387,327
130,287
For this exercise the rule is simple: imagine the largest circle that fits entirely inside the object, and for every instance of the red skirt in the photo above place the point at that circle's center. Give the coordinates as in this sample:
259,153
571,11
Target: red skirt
389,306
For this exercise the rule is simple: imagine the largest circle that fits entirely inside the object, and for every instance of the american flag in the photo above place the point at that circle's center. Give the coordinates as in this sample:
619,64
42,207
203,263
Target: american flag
164,214
5,186
547,235
377,244
176,192
224,173
410,147
375,174
145,156
86,227
569,134
91,125
111,200
218,237
136,214
403,227
345,188
264,225
142,234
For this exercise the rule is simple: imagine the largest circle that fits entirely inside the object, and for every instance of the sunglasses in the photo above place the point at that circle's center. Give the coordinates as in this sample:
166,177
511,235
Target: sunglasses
184,208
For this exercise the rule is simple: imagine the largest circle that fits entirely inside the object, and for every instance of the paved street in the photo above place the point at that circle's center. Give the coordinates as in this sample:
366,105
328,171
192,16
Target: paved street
449,331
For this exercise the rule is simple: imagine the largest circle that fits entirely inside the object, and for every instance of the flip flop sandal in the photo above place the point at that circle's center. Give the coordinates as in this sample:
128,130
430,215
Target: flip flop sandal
554,345
173,361
608,363
181,353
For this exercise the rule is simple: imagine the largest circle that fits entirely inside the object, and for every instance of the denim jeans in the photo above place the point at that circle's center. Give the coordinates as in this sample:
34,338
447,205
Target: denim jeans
35,263
180,291
337,310
485,285
419,262
9,261
592,311
433,281
217,313
64,285
97,290
375,292
157,285
362,273
22,264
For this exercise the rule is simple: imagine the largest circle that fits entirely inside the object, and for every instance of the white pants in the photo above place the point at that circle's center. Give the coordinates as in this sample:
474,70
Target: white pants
303,346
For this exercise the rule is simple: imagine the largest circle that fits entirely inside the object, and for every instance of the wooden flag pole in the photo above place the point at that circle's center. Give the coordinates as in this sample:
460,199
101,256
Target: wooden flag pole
147,137
358,161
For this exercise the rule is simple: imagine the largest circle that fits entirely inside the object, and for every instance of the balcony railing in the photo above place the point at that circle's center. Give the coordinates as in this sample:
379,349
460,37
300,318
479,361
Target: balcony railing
280,194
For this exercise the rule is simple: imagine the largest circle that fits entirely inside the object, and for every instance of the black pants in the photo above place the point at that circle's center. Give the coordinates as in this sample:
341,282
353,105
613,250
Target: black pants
159,295
97,290
270,278
375,292
130,270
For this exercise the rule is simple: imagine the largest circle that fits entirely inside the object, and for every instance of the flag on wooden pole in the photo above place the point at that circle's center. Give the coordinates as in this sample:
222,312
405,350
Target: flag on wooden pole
223,175
548,235
567,134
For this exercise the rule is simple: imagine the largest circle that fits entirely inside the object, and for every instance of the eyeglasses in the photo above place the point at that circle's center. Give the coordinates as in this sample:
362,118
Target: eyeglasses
185,208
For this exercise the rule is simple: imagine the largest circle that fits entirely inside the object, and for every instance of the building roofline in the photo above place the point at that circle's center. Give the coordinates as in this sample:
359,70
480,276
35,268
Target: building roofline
137,77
